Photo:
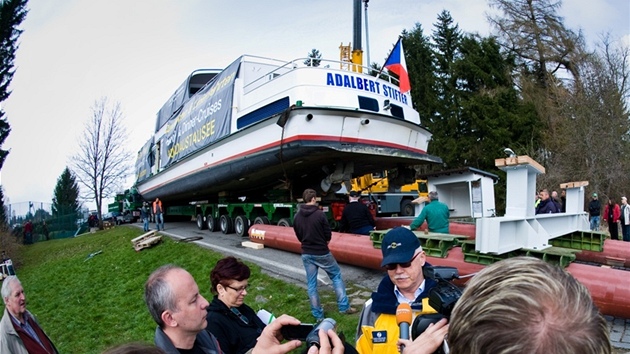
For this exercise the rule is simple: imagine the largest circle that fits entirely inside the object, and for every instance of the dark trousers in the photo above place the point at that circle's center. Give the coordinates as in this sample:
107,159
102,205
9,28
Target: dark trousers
613,228
625,231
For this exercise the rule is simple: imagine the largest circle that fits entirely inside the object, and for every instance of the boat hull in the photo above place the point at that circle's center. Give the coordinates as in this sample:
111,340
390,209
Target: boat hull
311,143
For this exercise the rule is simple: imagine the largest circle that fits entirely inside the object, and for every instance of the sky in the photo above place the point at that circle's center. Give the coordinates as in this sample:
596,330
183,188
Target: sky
137,52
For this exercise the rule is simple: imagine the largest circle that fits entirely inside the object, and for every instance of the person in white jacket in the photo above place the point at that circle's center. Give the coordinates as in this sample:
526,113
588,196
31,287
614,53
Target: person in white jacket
625,219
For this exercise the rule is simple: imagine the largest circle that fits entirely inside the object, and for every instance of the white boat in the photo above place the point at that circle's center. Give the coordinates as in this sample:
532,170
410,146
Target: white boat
263,124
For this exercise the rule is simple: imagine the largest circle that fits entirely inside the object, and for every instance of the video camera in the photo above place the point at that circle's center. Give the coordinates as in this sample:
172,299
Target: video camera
442,298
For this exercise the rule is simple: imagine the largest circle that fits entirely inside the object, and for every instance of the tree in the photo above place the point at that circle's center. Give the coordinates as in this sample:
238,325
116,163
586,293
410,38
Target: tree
597,124
12,13
447,126
314,58
66,195
536,34
580,96
3,212
102,163
421,67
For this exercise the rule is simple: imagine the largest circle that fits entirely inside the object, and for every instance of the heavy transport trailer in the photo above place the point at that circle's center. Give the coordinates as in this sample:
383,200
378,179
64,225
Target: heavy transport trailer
237,217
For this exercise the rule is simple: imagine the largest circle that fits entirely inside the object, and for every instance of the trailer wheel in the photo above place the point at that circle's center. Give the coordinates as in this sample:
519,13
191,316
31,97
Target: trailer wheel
200,224
284,222
241,225
261,220
226,224
407,208
212,223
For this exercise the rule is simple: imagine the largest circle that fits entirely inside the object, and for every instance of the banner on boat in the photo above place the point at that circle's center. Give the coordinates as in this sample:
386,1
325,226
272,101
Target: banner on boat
205,118
144,161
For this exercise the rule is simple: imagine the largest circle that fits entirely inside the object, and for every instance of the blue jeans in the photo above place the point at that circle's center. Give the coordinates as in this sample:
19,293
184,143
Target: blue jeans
594,223
365,230
625,232
146,223
328,263
159,221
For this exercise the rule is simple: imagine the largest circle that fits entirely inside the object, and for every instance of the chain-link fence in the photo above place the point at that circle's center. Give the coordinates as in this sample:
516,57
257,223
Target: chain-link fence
33,222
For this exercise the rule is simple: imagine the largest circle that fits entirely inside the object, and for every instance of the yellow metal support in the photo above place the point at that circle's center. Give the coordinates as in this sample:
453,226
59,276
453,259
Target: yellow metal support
345,57
357,60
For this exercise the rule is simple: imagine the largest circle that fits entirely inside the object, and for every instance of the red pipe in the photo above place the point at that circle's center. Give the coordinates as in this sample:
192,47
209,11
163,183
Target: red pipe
609,288
608,292
615,253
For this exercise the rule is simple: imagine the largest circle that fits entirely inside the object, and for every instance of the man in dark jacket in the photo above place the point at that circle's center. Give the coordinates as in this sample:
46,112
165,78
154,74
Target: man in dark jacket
546,205
356,217
594,209
313,231
404,260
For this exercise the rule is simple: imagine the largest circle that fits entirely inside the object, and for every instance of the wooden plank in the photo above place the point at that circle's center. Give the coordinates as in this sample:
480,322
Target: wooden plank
573,184
146,243
519,160
143,236
252,245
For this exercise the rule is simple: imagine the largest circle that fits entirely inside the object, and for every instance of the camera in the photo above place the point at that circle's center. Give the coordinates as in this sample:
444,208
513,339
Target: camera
313,337
442,298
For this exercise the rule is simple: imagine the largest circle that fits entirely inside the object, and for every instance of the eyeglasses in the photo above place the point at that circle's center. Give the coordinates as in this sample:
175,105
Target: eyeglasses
393,266
239,290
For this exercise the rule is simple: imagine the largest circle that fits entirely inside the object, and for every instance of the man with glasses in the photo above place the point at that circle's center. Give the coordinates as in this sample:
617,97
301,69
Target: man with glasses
403,258
173,299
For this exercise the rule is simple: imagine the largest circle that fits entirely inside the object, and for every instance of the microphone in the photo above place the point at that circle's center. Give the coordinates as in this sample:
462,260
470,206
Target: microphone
403,318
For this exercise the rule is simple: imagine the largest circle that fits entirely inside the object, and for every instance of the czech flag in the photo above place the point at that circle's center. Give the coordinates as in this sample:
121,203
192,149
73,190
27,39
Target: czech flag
396,63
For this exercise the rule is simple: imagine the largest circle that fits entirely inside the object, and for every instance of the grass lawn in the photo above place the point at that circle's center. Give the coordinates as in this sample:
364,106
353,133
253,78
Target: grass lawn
87,305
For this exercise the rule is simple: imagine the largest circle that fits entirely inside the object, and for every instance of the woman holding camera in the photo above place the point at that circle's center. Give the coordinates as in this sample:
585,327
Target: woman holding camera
234,324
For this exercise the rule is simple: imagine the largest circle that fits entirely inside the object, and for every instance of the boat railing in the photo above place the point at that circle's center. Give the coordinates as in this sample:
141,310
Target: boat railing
318,64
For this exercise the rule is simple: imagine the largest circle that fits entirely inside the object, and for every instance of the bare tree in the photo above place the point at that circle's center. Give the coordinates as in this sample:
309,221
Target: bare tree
535,33
103,162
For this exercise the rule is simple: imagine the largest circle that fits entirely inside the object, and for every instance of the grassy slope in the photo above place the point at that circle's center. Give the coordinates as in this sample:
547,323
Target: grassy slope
86,306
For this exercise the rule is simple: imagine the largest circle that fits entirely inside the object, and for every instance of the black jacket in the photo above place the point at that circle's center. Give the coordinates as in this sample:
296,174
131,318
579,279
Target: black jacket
312,230
594,208
234,335
546,207
355,216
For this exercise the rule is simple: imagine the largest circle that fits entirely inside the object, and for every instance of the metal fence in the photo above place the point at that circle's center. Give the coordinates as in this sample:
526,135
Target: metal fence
34,222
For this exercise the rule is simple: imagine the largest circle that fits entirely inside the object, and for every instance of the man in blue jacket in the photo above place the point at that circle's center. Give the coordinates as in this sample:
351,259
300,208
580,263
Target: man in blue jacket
404,259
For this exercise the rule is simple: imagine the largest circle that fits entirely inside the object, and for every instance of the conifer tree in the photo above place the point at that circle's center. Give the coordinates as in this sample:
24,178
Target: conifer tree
12,13
66,195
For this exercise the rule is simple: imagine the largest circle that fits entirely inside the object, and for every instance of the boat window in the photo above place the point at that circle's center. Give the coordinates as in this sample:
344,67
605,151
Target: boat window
368,103
397,111
198,81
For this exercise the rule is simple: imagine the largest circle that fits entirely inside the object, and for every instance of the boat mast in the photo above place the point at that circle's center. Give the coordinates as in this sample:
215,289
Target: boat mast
357,52
367,35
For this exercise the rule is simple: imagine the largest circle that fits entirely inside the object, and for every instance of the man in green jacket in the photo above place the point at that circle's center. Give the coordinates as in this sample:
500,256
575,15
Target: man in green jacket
435,213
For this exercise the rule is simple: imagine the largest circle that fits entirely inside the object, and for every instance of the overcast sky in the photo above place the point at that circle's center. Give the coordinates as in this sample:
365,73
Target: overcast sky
72,52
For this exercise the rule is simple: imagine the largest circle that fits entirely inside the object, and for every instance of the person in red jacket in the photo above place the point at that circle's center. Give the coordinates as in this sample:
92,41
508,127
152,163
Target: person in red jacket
612,212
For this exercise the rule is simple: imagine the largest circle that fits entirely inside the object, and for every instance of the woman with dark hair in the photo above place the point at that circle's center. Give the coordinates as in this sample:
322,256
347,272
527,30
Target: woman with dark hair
611,215
234,324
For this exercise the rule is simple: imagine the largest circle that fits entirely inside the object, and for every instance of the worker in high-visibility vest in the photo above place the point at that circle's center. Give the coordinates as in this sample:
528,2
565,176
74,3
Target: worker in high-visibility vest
158,212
